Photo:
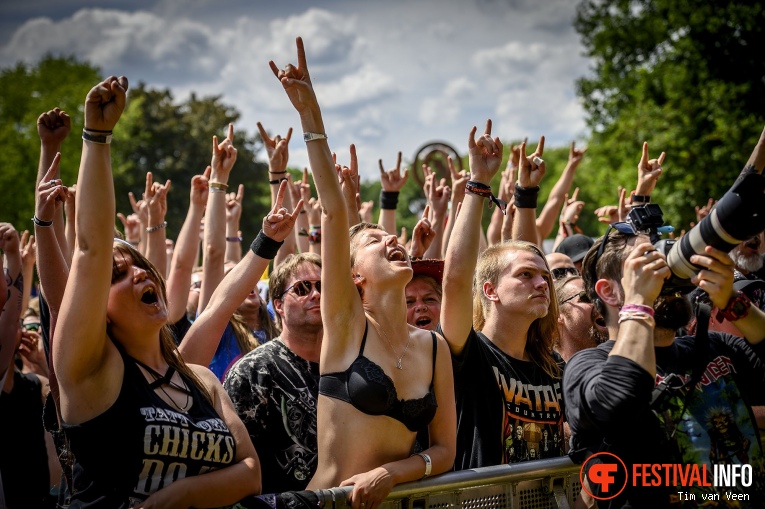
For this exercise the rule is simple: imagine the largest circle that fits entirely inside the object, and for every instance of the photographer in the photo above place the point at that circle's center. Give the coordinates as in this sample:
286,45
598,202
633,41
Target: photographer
705,417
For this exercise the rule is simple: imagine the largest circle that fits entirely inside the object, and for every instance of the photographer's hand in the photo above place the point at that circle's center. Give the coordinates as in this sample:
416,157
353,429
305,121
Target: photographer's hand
717,280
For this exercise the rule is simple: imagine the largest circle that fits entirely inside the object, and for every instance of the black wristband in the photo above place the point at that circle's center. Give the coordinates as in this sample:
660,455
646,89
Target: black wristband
277,181
388,200
264,246
526,197
40,222
640,198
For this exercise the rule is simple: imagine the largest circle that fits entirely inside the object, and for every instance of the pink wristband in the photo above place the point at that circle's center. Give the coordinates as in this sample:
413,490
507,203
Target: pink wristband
639,308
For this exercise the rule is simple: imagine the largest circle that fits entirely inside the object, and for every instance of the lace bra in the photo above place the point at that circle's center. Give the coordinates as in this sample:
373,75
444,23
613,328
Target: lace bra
366,386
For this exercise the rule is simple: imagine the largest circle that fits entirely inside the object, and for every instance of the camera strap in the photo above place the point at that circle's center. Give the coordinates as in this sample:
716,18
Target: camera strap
663,391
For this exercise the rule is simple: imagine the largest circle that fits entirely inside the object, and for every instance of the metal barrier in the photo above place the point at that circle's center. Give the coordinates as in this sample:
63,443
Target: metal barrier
541,484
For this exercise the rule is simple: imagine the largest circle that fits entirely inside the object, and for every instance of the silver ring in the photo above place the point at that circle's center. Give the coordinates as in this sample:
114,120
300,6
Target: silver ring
538,160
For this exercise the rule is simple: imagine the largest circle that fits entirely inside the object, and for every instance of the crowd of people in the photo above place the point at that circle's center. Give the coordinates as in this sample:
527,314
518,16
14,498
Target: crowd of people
141,375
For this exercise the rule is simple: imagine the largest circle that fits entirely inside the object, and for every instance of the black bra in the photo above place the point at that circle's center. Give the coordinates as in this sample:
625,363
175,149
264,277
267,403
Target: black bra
366,386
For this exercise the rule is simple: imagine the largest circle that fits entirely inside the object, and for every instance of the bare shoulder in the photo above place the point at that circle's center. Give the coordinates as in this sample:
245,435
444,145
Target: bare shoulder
204,374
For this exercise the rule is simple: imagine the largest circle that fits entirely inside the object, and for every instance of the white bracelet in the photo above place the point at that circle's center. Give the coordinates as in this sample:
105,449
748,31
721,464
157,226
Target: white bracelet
308,136
428,464
161,225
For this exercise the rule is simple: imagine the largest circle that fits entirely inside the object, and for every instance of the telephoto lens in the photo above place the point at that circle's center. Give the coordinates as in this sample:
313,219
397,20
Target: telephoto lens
738,215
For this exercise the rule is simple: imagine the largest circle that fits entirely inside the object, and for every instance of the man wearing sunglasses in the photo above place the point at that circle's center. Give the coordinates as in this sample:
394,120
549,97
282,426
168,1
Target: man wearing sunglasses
274,387
580,325
608,389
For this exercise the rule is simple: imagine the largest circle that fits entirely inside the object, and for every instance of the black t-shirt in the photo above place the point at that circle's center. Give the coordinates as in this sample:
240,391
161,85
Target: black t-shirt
274,392
608,409
508,410
24,458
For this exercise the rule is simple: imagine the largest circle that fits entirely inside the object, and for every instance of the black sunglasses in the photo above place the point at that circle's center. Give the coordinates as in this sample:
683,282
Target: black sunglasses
582,298
303,288
561,272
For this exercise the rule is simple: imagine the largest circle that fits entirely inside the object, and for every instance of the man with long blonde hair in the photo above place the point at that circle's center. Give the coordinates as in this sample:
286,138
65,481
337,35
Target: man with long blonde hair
507,377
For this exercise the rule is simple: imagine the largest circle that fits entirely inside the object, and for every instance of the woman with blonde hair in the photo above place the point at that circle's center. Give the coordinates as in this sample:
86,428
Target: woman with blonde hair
382,380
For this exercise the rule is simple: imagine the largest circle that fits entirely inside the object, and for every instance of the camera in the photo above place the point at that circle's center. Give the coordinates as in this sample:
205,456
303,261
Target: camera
738,215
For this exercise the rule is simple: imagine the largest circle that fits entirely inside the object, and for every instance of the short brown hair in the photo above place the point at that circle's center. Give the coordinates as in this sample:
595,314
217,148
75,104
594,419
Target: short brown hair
608,266
277,281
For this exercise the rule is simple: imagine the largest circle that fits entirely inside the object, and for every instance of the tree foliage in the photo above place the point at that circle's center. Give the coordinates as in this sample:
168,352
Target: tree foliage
171,139
688,77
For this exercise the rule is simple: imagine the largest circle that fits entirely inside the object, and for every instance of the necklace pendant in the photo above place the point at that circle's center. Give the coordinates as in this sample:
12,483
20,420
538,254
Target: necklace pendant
398,365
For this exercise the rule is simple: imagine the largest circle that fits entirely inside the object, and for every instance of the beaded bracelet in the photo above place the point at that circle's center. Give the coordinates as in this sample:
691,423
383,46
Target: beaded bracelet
161,225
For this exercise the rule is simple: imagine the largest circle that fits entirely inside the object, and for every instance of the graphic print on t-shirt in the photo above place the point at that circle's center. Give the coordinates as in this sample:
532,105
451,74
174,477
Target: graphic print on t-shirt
176,446
533,422
716,427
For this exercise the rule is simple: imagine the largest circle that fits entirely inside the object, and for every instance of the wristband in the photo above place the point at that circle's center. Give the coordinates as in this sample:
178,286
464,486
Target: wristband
638,308
277,181
428,464
234,239
40,222
526,197
101,139
99,131
388,200
264,246
277,172
161,225
640,198
484,191
636,315
218,185
314,136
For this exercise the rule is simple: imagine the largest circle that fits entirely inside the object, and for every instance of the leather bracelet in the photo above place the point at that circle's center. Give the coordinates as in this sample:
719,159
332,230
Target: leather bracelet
526,197
277,181
264,246
640,198
388,200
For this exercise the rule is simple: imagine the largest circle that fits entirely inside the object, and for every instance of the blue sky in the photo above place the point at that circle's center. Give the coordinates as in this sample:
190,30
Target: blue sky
389,75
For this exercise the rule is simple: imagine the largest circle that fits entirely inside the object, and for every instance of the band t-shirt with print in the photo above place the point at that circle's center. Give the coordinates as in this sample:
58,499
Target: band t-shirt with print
508,410
274,392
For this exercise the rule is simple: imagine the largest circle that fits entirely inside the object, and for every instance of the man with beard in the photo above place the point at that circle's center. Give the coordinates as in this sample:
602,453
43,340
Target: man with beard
275,387
608,389
748,260
580,325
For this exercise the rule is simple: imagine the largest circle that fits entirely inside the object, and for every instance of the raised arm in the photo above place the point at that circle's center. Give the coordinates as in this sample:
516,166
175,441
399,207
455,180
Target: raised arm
53,127
156,201
459,180
649,171
438,194
201,341
223,159
485,155
186,249
392,181
52,267
530,171
233,233
546,220
13,285
80,350
28,250
335,273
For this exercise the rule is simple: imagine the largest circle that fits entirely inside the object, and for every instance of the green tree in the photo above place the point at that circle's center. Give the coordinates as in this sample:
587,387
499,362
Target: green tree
26,92
174,141
171,139
688,77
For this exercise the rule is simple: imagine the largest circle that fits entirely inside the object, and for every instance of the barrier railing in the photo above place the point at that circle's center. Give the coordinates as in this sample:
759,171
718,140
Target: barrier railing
542,484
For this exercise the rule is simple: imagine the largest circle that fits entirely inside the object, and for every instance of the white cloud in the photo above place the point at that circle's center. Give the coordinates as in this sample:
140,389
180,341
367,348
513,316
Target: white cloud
446,108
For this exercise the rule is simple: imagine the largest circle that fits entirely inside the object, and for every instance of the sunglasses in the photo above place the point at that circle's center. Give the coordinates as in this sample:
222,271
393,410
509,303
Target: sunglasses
582,298
31,327
562,272
303,288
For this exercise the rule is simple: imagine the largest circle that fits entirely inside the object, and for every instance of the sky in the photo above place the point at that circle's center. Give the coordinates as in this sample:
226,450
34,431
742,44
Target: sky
389,75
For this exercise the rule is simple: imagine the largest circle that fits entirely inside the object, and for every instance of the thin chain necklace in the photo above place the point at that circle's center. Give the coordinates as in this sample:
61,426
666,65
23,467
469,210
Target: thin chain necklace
380,332
166,379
